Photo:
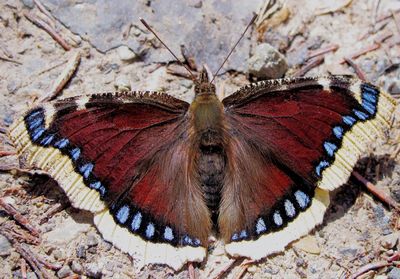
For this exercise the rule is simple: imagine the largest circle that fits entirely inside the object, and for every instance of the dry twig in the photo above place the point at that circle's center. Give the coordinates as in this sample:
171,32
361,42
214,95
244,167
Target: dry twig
50,30
368,267
19,235
318,52
4,153
28,255
64,77
243,268
44,10
360,73
362,51
22,264
10,60
313,62
52,211
376,191
226,268
19,218
192,274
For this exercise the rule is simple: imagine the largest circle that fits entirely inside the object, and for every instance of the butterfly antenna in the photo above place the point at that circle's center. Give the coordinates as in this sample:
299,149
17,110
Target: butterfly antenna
244,32
170,51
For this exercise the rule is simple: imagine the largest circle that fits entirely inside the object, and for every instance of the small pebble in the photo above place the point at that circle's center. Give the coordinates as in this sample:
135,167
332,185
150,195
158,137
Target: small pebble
5,246
93,270
394,273
109,266
58,255
126,54
272,271
122,83
65,271
31,275
252,269
92,250
92,240
107,246
13,86
267,62
76,267
390,240
81,252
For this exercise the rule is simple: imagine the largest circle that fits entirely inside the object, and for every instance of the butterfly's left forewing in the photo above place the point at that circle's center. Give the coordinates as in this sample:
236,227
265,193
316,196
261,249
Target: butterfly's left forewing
297,139
125,158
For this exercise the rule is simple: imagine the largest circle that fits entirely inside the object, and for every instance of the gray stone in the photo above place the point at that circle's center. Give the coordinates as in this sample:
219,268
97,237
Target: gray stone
126,54
65,232
267,62
208,31
5,246
81,252
92,240
394,273
93,270
28,3
76,267
65,271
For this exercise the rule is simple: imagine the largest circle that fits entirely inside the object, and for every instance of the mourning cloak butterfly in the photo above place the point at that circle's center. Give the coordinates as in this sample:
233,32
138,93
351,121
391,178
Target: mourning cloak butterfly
161,175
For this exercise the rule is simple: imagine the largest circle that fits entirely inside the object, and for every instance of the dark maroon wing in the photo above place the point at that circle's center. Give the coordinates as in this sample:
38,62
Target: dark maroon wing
120,153
304,134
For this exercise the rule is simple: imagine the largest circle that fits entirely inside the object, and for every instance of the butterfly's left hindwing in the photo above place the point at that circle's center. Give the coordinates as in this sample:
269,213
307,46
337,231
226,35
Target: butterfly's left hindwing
305,136
115,155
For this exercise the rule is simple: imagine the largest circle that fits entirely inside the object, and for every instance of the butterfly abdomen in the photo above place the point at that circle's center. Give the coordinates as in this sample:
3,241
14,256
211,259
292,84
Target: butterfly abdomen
211,164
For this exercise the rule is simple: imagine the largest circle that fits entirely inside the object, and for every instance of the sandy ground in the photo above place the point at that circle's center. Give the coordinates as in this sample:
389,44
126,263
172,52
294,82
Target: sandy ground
357,230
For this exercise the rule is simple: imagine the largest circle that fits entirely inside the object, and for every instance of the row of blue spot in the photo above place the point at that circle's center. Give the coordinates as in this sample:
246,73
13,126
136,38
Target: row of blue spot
302,200
133,219
35,124
369,103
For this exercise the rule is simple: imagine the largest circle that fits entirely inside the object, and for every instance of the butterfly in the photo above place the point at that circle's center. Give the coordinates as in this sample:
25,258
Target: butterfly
161,175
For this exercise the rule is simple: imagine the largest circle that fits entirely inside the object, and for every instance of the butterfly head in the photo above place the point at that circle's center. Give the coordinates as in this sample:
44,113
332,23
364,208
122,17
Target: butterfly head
202,85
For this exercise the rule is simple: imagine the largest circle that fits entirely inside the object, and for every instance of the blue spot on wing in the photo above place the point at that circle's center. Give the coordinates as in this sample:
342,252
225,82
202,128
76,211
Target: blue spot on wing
369,97
302,199
361,115
235,237
47,140
33,115
349,120
37,133
34,123
136,221
61,143
187,240
330,148
75,153
86,169
321,166
369,107
260,226
150,230
168,234
338,131
123,214
95,185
